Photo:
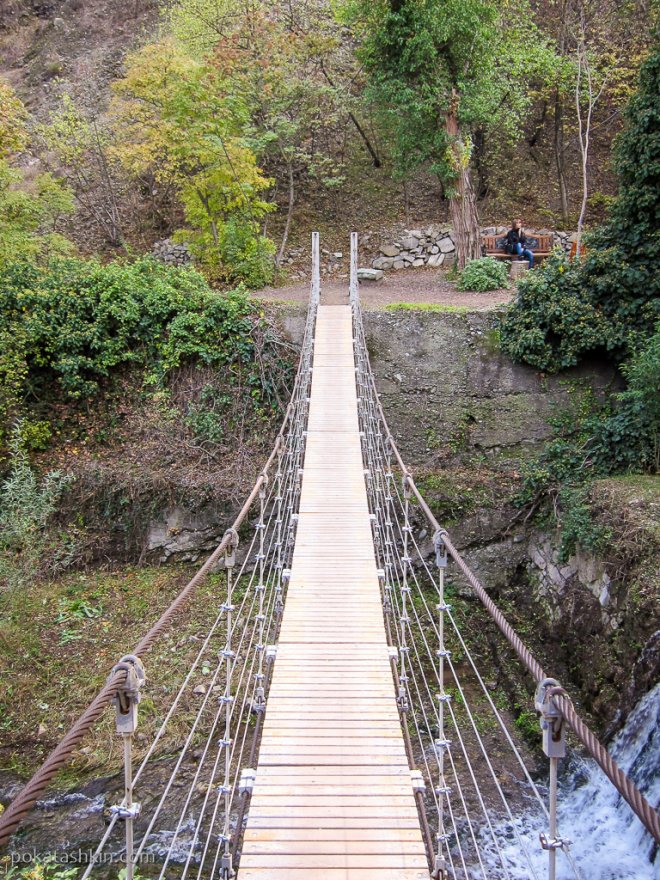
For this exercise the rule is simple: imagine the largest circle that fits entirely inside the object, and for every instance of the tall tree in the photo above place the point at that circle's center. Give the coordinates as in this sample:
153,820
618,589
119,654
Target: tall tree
442,68
82,147
180,121
29,211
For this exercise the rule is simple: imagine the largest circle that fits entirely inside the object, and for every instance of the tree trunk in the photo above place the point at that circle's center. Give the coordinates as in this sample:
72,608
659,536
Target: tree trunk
462,201
559,121
559,159
289,216
483,185
375,158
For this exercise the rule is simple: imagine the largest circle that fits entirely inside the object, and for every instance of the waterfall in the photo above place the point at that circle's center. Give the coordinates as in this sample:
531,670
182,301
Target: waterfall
609,841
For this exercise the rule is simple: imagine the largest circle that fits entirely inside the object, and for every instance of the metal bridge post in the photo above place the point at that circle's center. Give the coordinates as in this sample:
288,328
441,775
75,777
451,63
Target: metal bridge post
353,283
279,564
260,693
226,868
126,707
554,746
404,620
316,269
442,743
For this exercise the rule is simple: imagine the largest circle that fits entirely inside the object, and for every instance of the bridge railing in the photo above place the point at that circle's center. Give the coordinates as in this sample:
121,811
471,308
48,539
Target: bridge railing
241,630
407,576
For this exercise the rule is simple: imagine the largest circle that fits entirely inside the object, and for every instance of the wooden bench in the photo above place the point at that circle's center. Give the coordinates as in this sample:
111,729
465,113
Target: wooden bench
539,245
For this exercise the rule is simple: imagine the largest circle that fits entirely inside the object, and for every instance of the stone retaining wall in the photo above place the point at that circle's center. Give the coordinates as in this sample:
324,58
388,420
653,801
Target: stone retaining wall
168,251
434,246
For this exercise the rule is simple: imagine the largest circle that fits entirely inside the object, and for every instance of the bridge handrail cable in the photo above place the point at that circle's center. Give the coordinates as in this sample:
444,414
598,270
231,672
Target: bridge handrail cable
621,781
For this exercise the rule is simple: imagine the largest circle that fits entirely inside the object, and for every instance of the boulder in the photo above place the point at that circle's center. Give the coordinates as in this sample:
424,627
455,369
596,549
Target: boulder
436,260
446,245
399,264
416,233
409,243
390,250
382,263
369,274
418,262
435,249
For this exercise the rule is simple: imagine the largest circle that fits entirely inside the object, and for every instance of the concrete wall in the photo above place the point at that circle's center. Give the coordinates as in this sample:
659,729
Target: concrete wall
444,384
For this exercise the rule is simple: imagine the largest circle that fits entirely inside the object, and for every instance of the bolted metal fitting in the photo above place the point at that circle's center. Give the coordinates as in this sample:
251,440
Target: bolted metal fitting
550,843
552,721
230,549
417,780
128,696
247,780
124,812
440,548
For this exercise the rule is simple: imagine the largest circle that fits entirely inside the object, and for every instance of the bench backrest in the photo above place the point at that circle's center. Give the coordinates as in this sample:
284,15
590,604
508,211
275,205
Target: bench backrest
535,242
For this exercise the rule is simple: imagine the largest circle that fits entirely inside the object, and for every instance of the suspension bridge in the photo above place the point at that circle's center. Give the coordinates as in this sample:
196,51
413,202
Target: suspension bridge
346,731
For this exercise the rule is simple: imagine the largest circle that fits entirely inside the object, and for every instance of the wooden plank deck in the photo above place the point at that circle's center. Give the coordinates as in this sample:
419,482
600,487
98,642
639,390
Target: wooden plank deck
333,798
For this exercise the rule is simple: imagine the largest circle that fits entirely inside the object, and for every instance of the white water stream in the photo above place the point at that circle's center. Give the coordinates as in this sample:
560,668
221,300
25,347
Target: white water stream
609,842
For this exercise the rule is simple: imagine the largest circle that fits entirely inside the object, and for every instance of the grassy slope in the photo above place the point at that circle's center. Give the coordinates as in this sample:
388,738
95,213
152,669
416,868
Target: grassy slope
60,639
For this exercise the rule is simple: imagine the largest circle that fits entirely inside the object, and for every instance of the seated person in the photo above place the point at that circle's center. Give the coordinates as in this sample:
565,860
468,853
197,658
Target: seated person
516,241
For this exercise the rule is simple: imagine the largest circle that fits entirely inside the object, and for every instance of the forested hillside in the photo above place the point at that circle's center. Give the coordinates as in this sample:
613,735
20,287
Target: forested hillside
217,120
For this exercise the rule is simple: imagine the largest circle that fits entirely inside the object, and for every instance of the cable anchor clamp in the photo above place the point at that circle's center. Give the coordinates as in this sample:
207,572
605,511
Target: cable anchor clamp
226,868
440,548
439,868
549,843
231,536
551,719
128,695
121,811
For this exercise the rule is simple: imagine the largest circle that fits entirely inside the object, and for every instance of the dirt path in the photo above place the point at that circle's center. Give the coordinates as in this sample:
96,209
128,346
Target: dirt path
419,286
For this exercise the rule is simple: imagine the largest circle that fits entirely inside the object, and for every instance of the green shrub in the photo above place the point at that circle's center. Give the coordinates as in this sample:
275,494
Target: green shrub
629,438
26,507
553,322
75,322
578,526
484,274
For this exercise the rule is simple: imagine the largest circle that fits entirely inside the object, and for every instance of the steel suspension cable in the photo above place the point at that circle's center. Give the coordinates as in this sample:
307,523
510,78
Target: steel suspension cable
624,785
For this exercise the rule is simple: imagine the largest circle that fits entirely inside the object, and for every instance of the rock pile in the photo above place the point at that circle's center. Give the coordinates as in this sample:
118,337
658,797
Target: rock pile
433,246
168,251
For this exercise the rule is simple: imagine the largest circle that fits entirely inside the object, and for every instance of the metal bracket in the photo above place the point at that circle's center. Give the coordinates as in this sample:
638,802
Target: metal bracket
124,812
552,721
440,548
439,868
230,549
226,867
550,843
417,780
247,780
128,696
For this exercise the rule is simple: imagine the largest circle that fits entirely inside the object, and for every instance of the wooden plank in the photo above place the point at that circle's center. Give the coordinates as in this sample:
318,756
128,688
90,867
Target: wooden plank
338,860
345,873
334,824
347,848
340,834
333,798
